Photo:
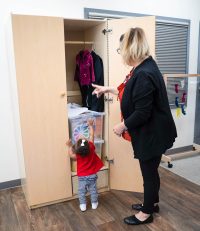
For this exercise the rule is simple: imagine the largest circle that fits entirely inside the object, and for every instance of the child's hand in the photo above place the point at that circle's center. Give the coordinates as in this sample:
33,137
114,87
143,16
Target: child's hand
82,137
69,143
91,129
90,122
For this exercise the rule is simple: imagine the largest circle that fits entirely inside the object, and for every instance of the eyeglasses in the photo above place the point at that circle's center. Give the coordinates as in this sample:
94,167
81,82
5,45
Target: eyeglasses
118,50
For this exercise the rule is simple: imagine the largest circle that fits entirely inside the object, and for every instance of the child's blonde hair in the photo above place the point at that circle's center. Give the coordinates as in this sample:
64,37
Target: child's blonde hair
134,45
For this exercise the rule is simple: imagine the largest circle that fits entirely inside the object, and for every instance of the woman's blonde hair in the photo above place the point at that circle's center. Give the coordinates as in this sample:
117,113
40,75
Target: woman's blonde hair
134,45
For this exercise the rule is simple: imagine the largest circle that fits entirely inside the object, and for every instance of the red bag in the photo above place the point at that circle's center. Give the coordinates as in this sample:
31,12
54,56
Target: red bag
126,136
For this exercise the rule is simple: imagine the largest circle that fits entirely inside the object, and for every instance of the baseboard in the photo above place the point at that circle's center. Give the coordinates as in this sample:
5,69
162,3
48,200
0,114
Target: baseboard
10,184
179,150
183,155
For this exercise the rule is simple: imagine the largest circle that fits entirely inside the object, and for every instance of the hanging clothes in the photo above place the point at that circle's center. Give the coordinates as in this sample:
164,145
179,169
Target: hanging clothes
97,104
84,74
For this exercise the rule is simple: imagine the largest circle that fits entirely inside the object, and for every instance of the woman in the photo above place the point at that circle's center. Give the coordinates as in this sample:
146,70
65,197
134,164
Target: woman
146,117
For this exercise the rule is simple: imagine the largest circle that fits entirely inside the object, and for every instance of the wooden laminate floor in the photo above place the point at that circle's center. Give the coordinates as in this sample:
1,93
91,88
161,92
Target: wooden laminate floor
179,204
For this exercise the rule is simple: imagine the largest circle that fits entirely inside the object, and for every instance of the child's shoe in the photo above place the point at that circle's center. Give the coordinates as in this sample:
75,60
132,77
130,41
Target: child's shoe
83,207
95,205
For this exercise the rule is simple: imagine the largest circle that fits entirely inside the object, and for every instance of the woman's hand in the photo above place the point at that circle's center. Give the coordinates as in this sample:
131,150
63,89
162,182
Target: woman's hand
119,129
99,90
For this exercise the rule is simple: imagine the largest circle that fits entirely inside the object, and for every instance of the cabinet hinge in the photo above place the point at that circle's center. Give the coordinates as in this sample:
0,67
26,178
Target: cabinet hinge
104,31
109,161
108,99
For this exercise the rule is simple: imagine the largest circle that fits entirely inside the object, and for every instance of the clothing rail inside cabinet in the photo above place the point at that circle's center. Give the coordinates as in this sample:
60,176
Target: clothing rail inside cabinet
79,42
89,43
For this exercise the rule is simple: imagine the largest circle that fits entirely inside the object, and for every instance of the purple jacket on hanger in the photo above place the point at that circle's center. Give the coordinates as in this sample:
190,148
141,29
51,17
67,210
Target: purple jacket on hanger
84,72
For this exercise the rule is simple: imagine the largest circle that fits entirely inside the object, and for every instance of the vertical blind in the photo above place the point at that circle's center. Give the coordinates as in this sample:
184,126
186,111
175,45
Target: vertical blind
171,55
171,47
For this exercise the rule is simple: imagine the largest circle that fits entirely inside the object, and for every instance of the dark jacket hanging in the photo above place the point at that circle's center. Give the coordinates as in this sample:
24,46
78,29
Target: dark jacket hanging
97,104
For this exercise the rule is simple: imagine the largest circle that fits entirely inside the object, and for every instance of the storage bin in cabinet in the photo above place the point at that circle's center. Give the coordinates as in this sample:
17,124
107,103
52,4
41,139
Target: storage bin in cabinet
98,149
102,181
78,125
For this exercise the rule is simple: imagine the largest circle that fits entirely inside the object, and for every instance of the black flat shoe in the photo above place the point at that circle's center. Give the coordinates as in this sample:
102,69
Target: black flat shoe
138,207
132,220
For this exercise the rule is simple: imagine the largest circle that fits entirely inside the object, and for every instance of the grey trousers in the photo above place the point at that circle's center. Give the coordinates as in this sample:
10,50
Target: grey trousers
87,184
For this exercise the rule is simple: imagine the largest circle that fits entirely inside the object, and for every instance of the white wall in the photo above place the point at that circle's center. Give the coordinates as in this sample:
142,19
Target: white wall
9,128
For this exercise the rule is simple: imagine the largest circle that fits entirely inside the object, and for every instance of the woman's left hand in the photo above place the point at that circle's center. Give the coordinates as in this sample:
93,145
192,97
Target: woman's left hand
119,129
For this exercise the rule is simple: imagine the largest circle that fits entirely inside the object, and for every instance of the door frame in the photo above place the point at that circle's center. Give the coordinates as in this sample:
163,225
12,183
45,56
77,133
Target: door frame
197,112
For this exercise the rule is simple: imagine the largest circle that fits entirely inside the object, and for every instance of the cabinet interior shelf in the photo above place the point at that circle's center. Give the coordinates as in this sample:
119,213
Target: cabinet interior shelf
73,93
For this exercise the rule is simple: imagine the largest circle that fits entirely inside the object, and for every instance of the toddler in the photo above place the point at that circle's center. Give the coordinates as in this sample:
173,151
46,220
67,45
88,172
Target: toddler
88,164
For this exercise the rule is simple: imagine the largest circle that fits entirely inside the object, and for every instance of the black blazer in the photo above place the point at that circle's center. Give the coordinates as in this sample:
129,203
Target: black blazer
146,112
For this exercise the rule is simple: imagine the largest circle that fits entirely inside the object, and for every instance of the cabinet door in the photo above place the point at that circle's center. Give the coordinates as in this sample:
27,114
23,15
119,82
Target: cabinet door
41,80
124,172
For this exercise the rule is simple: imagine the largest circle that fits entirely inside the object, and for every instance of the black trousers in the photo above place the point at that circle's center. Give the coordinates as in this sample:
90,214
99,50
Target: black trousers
85,92
151,185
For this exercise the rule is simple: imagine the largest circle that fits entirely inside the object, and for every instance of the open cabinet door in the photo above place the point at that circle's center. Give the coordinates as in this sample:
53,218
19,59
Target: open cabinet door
41,81
124,171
